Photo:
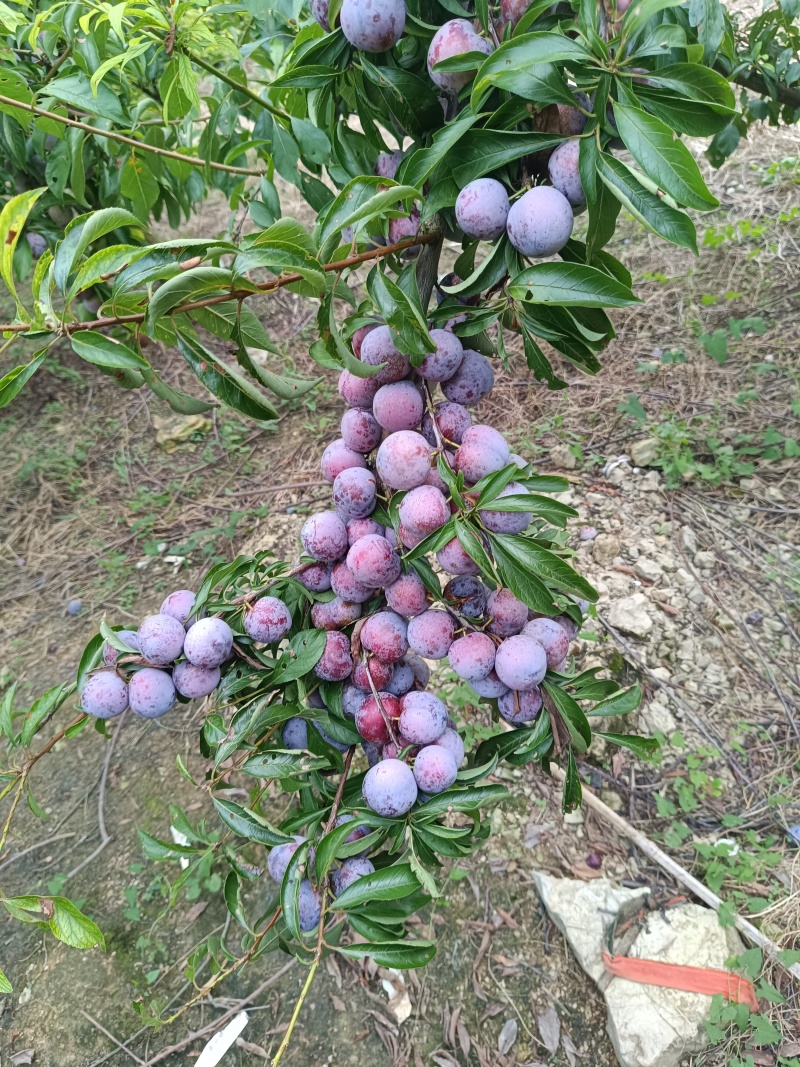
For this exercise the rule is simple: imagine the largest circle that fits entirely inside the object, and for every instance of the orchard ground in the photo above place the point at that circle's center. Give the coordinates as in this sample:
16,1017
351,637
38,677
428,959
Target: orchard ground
113,500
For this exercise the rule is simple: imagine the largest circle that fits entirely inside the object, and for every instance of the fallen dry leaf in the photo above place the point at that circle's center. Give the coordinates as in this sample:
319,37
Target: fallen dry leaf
251,1049
570,1051
23,1057
338,1003
549,1028
508,1035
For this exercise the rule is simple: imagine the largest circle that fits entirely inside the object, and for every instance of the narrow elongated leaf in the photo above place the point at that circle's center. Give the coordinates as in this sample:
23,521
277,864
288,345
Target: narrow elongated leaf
646,748
226,382
106,351
71,926
187,286
247,824
570,285
469,799
520,54
403,955
518,577
388,883
361,200
12,220
653,213
482,151
572,714
81,232
14,85
296,872
5,985
621,703
12,383
277,764
40,710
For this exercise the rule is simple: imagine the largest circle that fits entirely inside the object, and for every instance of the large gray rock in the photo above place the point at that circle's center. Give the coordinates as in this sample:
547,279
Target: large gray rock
629,615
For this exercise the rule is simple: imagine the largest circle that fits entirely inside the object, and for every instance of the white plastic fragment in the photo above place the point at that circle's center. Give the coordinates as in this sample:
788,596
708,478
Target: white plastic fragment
221,1042
180,839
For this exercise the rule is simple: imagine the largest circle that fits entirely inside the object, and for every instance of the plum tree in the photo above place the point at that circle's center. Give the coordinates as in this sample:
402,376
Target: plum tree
482,209
540,222
267,620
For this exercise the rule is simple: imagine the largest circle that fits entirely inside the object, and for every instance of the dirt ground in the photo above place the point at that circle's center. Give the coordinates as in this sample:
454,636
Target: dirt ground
113,500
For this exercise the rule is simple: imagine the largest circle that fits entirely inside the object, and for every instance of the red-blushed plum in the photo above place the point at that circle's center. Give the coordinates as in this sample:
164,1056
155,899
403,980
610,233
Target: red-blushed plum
354,493
453,421
401,681
378,348
373,562
408,595
294,735
423,718
316,577
335,664
350,871
423,510
398,406
405,226
372,723
357,339
453,559
279,856
454,38
472,656
380,673
508,615
208,643
179,605
520,662
540,222
360,430
309,905
358,528
195,682
151,693
452,742
483,450
386,165
337,457
569,625
467,594
384,634
403,460
437,481
435,769
111,654
512,10
389,788
346,587
553,638
409,539
518,707
388,533
324,536
507,522
104,695
335,614
490,686
267,620
373,25
472,381
352,699
357,392
441,364
393,749
161,639
482,208
431,634
564,173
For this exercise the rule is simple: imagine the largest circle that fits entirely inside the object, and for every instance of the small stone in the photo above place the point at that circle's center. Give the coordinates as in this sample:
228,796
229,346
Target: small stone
574,818
629,615
654,718
697,596
705,561
754,618
587,533
651,483
688,539
643,453
661,673
774,626
605,549
647,569
561,456
611,799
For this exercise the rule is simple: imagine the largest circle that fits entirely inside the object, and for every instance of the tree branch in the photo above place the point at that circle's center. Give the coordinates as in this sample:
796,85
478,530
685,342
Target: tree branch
757,83
248,92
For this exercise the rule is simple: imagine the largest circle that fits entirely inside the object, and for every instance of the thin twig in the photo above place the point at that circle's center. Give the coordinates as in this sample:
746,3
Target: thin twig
110,1037
32,848
105,837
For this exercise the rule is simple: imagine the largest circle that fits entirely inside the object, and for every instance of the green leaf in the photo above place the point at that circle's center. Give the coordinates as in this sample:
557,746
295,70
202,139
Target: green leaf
92,656
185,287
40,710
663,157
517,577
401,313
570,711
71,926
14,85
156,849
5,985
283,258
696,82
277,764
482,151
232,892
403,955
417,167
247,823
641,11
7,712
81,232
139,184
12,383
471,798
545,564
653,213
646,748
76,90
388,883
708,17
296,871
622,703
226,382
301,655
12,220
361,200
521,54
570,285
571,796
328,847
106,351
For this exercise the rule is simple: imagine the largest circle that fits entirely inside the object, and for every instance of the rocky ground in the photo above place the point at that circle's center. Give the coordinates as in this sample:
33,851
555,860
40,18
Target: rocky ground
685,483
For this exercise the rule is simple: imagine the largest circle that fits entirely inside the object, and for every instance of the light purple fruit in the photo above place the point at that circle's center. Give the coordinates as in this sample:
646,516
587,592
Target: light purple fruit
490,686
404,227
472,381
507,522
347,588
373,25
407,538
295,735
336,663
151,693
360,430
371,668
553,638
483,450
354,493
569,625
431,634
358,528
453,421
373,562
335,614
454,38
564,173
350,871
398,406
195,682
357,339
387,163
540,222
403,460
309,907
352,699
437,481
508,614
422,671
467,594
324,536
358,832
357,392
518,707
452,742
319,12
379,348
385,635
161,639
316,577
111,654
482,209
179,605
423,510
401,681
571,120
435,769
373,753
104,695
423,717
441,364
453,559
408,595
520,662
267,620
337,457
389,788
36,243
279,857
472,656
208,643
